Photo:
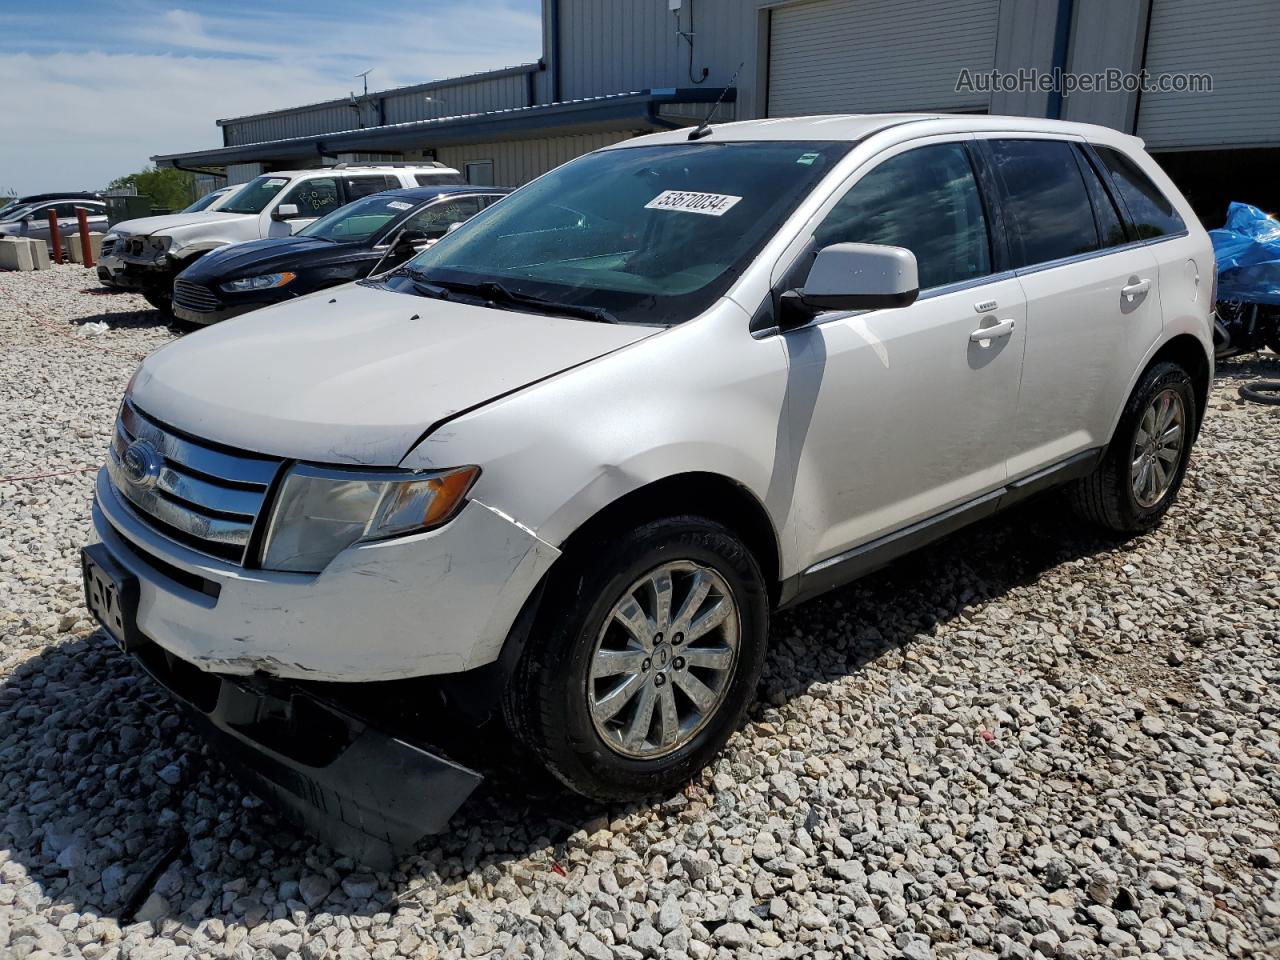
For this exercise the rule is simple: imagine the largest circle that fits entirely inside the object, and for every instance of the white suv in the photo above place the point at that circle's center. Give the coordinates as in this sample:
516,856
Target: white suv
566,462
147,254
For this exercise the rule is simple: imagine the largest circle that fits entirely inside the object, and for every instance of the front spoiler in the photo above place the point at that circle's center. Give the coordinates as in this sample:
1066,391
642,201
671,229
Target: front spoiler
366,793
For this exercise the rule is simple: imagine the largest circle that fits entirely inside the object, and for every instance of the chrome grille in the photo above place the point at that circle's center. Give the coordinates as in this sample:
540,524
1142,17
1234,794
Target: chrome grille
192,296
204,497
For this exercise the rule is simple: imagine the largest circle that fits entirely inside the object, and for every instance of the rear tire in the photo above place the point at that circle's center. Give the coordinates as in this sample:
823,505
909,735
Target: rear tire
615,716
1142,469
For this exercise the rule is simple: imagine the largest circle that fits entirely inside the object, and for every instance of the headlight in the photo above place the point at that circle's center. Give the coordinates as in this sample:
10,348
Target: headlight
160,244
264,282
319,513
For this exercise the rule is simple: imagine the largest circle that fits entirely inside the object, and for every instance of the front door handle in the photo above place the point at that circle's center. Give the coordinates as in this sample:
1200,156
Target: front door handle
1131,291
993,332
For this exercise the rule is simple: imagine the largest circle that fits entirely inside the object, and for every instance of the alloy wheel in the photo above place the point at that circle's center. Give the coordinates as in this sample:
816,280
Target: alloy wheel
663,660
1157,447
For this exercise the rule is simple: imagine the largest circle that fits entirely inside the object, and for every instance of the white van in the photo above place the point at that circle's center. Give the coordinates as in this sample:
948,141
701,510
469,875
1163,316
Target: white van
147,254
559,469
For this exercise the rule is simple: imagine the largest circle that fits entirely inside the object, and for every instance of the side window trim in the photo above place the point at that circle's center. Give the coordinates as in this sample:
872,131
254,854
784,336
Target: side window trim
999,233
1087,178
1104,177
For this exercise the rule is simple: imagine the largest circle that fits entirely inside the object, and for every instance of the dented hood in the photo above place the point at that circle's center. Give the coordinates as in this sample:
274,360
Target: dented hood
356,375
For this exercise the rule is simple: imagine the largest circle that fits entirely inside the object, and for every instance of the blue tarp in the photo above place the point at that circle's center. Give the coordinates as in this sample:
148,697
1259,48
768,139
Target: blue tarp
1248,252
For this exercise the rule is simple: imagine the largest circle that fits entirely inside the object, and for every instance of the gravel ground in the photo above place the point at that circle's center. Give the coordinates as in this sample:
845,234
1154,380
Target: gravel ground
1026,741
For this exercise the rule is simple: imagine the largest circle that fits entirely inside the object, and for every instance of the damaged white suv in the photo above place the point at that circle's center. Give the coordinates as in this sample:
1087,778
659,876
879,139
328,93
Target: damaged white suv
568,460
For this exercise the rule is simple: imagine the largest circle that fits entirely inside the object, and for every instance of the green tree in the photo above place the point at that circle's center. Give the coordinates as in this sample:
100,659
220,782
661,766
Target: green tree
166,187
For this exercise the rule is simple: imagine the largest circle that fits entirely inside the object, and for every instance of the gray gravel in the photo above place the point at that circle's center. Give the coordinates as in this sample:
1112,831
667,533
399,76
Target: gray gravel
1025,742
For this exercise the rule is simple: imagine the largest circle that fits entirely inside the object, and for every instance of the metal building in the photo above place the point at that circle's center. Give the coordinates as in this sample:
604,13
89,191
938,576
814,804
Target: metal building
612,69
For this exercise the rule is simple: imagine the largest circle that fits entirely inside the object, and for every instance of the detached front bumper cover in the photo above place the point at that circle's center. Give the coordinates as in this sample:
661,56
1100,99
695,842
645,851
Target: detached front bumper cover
367,793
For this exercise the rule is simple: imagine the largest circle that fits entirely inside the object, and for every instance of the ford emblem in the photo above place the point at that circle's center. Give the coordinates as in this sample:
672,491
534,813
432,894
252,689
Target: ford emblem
142,463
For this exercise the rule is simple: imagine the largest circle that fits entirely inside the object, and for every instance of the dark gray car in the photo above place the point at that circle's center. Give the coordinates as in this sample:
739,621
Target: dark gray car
32,220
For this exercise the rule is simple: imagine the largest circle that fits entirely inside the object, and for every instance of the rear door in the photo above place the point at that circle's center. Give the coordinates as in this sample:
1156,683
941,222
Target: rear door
1092,298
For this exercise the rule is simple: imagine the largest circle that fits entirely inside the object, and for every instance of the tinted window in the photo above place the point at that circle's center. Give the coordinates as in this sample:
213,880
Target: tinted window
438,179
1047,201
925,200
315,197
434,222
358,187
360,220
1152,213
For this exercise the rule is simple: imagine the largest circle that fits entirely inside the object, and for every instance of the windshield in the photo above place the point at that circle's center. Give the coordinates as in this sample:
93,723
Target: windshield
203,203
360,220
649,234
17,212
254,195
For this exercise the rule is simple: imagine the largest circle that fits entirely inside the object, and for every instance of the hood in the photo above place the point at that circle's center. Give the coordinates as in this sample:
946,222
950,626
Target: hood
356,375
257,256
145,226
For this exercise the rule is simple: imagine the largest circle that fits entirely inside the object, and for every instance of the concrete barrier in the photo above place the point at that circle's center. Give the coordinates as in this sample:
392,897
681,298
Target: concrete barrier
15,254
74,251
40,258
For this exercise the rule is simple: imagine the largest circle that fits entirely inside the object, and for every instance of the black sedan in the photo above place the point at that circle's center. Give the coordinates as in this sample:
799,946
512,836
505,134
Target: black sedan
368,236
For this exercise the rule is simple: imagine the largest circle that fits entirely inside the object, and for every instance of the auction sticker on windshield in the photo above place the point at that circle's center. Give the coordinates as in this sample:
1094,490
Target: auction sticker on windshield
708,204
398,205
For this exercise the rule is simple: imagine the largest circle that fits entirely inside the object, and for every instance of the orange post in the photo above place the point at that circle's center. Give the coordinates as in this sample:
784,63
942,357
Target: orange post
86,248
55,237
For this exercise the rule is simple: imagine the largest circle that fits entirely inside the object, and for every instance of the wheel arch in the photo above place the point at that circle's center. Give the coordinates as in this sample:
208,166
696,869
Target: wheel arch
1189,353
711,495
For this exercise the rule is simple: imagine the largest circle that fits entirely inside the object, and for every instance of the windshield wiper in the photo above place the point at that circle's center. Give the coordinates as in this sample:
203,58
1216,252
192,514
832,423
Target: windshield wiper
493,292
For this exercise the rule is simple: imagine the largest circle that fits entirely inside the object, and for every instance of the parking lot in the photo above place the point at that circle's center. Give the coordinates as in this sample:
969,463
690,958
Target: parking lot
1028,740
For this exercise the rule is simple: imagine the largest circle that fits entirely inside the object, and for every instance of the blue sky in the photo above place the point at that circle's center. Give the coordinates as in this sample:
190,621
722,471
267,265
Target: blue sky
103,86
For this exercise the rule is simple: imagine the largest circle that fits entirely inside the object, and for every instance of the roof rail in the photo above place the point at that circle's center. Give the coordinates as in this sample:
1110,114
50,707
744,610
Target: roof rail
386,163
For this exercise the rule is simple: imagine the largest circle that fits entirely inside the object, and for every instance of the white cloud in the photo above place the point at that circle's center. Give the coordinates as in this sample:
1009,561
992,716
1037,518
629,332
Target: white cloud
76,120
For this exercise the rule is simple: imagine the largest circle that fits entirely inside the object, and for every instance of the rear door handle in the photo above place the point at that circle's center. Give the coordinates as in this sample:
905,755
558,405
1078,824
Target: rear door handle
1131,291
993,332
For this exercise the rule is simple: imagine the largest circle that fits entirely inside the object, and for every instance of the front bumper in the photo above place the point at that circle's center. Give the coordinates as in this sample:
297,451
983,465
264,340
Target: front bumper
367,793
220,313
433,603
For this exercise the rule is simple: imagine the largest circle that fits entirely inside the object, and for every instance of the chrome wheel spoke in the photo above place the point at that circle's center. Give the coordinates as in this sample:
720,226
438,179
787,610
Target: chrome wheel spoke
698,590
703,697
608,706
634,620
709,620
1158,448
642,719
714,658
668,715
661,587
610,663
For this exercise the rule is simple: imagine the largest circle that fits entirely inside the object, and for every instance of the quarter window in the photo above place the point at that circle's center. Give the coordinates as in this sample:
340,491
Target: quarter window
1153,215
1110,225
1047,199
926,200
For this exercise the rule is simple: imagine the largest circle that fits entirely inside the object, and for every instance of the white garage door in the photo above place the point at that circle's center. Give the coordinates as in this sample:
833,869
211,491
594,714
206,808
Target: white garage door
1236,43
851,56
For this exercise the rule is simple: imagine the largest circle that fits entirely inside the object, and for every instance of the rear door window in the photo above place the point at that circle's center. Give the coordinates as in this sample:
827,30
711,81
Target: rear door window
1046,199
1152,213
358,187
925,200
1111,225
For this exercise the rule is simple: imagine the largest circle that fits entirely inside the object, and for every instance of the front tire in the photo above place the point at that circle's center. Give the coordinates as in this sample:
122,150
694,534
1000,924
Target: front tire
160,299
645,656
1140,474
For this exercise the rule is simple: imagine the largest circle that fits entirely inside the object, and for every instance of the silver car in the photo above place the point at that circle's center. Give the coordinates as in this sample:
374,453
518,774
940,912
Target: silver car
32,220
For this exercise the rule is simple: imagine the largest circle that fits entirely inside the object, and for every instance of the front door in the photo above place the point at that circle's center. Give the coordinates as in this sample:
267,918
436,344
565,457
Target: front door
898,415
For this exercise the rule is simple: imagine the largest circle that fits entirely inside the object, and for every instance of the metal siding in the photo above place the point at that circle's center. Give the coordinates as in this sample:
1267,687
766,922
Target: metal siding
1236,43
851,56
1106,35
1024,40
516,162
619,46
478,95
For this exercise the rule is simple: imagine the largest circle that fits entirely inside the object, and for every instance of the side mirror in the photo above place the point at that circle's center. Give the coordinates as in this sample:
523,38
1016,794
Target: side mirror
856,276
286,211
